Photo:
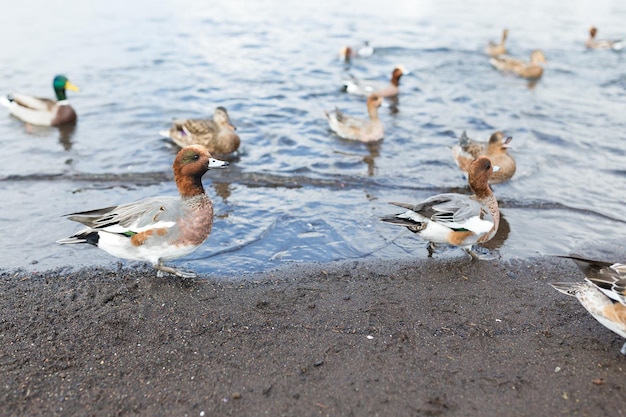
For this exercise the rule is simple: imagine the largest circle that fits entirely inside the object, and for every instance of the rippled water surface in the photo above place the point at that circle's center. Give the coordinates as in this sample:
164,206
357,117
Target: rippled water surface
297,192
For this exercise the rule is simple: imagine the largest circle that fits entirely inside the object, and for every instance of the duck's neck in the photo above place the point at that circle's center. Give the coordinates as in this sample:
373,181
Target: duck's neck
395,79
60,93
190,187
482,191
373,112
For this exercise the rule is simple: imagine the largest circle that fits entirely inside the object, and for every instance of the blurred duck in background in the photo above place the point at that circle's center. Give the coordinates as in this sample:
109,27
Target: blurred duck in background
43,111
593,43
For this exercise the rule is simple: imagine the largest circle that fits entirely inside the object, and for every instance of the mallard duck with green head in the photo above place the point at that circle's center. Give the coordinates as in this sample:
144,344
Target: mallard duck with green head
43,111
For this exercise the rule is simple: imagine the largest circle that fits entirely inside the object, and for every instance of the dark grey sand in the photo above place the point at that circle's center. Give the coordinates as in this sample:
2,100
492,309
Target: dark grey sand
405,338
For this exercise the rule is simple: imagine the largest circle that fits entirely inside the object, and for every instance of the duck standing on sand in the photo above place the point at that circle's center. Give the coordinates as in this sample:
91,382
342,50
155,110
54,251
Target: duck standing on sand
593,43
217,136
364,130
529,70
455,219
496,150
156,229
603,293
361,88
43,111
495,49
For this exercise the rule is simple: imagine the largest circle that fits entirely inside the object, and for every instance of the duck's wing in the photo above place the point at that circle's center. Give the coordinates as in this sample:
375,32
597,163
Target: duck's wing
150,213
196,127
347,127
454,211
458,212
33,110
506,63
34,103
610,278
353,85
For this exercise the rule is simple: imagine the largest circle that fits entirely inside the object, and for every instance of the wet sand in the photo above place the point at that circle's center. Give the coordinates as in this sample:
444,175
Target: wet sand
406,338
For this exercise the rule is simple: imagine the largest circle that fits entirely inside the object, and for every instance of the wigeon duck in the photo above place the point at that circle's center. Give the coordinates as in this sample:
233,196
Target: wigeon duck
348,52
603,293
593,43
529,70
217,136
455,219
43,111
353,128
496,150
495,49
156,229
355,86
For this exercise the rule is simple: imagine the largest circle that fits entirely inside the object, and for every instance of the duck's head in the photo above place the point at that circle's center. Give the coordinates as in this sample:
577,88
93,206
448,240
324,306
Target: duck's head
479,172
374,100
592,31
60,84
221,118
505,33
499,141
537,57
397,73
345,53
190,165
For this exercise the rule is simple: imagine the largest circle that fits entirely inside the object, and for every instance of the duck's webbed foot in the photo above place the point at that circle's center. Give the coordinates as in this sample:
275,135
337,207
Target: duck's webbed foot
431,249
162,269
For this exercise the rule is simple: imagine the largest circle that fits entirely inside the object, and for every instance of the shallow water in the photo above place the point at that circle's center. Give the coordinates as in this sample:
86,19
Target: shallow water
298,193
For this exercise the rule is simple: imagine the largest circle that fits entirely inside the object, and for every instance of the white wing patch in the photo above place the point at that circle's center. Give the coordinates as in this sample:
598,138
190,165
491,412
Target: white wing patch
116,228
413,216
477,225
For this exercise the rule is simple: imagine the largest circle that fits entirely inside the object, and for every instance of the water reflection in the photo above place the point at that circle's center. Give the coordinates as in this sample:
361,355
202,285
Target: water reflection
65,135
501,235
393,103
66,132
222,189
374,150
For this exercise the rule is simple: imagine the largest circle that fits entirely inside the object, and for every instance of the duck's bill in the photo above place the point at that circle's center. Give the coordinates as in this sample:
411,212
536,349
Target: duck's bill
496,168
216,163
70,86
507,142
405,71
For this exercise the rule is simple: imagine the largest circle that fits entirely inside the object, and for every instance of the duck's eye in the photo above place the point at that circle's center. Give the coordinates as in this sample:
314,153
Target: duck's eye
196,156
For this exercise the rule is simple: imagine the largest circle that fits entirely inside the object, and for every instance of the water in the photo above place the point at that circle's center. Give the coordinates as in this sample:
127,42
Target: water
298,193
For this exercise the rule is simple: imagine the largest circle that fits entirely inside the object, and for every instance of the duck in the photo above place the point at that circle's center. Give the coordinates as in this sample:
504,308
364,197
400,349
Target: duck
358,87
602,293
353,128
495,49
593,43
43,111
156,229
529,70
455,219
348,52
217,135
466,150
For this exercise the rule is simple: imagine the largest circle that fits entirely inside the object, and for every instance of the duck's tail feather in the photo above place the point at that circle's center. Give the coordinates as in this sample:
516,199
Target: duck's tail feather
90,237
6,100
567,288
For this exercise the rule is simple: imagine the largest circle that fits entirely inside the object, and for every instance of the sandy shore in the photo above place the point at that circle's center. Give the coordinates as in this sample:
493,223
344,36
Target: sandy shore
404,338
